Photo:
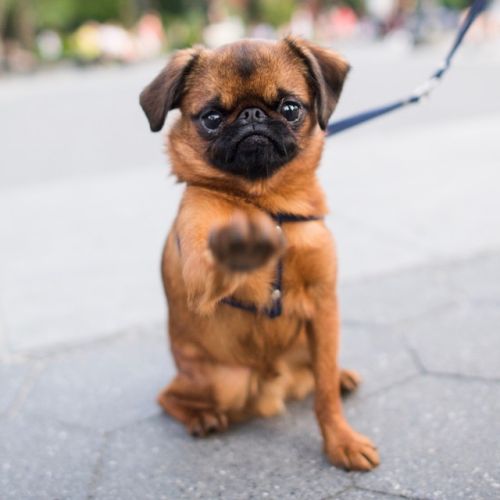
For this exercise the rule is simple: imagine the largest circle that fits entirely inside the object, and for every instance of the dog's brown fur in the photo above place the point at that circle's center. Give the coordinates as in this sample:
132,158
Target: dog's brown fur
233,364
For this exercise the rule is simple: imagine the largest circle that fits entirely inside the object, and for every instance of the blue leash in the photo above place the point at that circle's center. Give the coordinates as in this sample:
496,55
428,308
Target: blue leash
424,90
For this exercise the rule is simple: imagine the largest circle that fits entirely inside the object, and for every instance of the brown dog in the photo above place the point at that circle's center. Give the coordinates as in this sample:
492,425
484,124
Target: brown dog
249,267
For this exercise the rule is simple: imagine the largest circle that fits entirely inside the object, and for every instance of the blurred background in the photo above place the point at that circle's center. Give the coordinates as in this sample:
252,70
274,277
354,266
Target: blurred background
86,202
41,32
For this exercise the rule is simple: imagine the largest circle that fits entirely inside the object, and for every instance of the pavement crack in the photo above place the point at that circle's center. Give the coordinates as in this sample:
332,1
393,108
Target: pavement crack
389,495
389,387
339,493
463,377
25,389
416,359
96,475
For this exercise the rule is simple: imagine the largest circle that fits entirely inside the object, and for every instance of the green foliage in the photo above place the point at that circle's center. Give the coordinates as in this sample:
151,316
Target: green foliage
184,31
275,12
357,6
180,8
455,4
66,15
56,14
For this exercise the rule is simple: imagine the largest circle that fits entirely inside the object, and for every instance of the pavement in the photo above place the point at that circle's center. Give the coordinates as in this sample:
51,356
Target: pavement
85,203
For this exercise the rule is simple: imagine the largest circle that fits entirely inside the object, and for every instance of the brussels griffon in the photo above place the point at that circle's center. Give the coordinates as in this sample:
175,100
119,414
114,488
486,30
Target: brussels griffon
249,267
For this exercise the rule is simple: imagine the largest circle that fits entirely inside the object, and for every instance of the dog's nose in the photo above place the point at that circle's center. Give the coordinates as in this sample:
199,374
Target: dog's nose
252,115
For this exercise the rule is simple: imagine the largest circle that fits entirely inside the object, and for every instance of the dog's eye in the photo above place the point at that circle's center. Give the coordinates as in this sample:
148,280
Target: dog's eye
290,110
212,120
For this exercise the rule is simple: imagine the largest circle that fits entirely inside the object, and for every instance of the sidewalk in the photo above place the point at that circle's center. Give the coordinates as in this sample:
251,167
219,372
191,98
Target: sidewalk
82,423
415,208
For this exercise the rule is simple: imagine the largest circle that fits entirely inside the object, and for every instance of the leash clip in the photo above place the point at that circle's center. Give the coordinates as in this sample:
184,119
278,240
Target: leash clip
425,90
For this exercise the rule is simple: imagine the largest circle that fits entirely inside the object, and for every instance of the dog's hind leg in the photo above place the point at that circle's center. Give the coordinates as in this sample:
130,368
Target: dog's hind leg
205,394
199,417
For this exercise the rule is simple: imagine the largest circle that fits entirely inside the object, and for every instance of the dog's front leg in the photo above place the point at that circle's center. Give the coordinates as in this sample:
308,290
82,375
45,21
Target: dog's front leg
344,447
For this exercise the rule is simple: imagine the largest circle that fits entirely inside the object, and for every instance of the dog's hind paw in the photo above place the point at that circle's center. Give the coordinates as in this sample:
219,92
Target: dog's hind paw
205,422
349,381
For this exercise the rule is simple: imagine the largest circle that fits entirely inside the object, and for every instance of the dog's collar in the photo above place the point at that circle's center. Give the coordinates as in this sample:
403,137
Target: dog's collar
276,308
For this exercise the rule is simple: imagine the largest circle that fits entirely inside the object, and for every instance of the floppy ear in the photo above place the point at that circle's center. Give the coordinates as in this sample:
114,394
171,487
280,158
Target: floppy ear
165,91
326,71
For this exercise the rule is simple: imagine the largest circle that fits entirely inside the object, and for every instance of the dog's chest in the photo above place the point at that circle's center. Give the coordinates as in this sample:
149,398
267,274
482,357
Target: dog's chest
309,265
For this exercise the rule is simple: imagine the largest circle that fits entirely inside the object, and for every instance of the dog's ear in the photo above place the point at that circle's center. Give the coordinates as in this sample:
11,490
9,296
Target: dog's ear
165,91
326,73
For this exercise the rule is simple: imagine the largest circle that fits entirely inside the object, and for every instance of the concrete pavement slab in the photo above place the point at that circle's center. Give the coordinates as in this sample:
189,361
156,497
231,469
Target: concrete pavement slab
461,340
478,279
396,296
105,385
378,354
276,458
437,438
45,460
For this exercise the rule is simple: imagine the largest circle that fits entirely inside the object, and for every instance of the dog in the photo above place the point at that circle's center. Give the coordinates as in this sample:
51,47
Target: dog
249,267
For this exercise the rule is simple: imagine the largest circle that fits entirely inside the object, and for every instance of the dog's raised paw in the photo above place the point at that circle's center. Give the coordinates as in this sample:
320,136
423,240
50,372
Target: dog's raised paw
246,243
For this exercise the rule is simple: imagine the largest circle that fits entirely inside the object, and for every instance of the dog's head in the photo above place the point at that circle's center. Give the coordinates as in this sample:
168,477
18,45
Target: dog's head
248,109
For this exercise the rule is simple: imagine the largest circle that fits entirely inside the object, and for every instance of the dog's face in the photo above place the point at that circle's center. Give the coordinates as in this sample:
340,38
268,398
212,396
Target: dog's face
247,109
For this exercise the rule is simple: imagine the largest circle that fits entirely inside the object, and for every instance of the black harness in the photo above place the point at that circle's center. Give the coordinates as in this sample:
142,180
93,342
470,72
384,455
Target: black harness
277,287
